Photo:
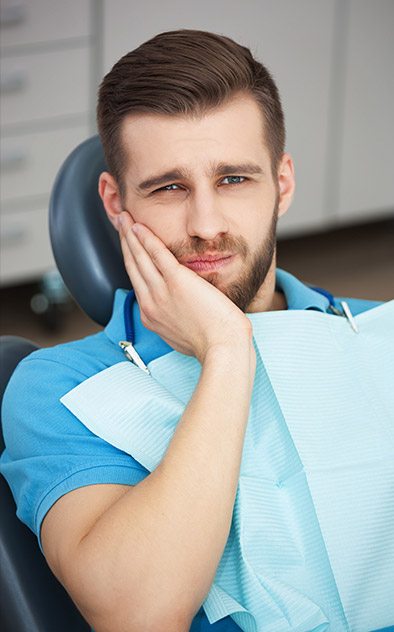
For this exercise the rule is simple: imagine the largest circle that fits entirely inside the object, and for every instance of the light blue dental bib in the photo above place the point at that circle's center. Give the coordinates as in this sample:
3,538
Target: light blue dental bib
311,546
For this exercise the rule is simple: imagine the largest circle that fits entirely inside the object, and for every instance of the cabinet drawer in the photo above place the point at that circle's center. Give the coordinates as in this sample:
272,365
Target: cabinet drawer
44,85
36,21
25,251
29,163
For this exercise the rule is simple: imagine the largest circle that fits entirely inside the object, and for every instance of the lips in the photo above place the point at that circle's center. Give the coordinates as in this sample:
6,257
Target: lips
208,262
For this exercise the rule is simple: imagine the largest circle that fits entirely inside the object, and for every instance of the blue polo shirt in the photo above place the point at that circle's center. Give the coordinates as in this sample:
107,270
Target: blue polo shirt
49,452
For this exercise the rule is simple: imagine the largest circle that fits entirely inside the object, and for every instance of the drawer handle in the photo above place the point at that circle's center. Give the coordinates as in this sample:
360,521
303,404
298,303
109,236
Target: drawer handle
13,82
13,159
12,15
12,235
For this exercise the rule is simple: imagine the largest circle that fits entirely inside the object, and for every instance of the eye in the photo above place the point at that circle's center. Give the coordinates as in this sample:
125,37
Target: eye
168,187
233,180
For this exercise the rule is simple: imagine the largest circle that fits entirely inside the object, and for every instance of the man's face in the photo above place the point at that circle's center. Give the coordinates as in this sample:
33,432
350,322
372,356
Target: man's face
204,186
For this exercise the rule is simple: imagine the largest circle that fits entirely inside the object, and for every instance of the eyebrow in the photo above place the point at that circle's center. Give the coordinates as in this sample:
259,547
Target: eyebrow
220,169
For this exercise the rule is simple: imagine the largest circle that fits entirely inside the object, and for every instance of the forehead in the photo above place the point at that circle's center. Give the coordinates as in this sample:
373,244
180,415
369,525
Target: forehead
233,132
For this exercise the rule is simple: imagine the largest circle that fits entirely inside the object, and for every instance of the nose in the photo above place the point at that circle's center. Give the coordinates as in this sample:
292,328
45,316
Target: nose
206,218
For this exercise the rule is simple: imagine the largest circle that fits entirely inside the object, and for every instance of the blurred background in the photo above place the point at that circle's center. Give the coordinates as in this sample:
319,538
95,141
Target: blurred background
333,63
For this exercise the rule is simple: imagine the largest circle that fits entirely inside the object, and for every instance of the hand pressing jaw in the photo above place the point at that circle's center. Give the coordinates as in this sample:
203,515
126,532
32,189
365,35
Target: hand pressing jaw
184,309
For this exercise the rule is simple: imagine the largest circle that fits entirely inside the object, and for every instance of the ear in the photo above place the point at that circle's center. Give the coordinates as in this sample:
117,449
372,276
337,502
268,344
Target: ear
286,183
109,192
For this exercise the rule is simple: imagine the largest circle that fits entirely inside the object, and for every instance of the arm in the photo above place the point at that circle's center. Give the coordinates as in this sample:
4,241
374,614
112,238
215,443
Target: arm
147,560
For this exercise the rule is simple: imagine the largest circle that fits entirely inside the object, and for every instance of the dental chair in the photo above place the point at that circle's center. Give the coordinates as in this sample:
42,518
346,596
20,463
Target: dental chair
88,256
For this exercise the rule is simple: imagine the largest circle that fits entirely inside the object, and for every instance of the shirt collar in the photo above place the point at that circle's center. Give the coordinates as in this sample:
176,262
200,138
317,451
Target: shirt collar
116,329
298,296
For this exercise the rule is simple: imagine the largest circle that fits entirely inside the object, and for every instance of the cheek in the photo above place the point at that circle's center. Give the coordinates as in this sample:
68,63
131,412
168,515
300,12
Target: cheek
254,224
164,224
166,232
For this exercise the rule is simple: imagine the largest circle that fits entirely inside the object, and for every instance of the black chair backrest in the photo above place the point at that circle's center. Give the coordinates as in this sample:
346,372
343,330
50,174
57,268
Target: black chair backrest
12,350
84,242
32,600
87,251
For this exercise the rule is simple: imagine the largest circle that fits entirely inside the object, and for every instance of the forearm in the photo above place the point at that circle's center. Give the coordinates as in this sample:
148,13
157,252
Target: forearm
158,547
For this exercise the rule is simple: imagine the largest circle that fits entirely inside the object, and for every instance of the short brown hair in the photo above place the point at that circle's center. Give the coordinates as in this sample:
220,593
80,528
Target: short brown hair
184,72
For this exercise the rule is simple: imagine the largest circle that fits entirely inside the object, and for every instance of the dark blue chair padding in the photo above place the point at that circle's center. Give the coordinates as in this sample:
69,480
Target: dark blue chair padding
84,242
12,350
32,600
88,255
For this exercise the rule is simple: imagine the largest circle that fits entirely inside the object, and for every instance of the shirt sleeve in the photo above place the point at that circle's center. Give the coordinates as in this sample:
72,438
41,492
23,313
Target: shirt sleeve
49,452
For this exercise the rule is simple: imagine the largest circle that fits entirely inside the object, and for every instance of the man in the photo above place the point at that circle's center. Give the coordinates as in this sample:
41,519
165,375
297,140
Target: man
193,132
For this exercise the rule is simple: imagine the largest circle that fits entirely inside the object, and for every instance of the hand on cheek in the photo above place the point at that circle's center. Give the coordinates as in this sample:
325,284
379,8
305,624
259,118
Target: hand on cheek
175,302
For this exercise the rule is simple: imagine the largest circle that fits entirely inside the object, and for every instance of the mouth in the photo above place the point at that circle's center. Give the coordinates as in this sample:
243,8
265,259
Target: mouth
208,263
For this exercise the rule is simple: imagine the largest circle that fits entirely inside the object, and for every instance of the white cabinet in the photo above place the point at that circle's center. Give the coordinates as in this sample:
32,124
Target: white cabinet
44,86
46,110
26,22
332,60
25,251
30,162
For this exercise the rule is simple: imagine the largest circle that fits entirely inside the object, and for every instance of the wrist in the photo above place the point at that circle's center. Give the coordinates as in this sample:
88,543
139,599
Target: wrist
239,352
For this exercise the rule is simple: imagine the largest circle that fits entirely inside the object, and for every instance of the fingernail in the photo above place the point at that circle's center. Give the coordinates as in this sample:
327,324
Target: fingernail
135,228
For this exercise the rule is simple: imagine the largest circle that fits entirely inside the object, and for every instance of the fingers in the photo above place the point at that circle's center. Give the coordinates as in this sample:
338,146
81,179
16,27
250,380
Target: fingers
145,258
137,281
145,265
162,258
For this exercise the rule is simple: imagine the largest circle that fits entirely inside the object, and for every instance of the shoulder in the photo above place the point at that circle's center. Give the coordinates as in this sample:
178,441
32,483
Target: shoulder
52,371
86,357
49,452
31,401
357,305
44,376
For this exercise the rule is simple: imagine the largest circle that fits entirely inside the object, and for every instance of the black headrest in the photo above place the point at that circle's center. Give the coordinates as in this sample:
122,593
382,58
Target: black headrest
85,244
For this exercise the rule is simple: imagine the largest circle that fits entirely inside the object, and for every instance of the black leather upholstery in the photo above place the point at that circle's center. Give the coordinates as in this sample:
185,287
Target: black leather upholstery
84,242
12,350
32,600
88,255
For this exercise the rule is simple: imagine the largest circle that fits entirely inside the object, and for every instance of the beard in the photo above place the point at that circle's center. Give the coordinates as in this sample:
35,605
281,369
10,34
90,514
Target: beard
256,265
